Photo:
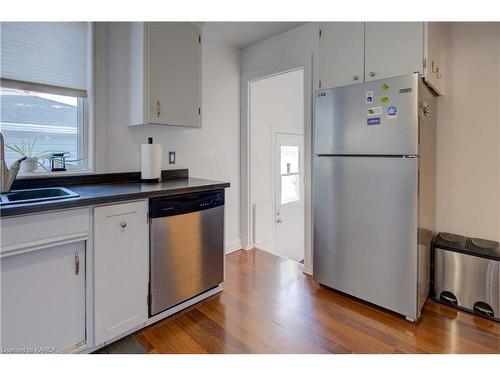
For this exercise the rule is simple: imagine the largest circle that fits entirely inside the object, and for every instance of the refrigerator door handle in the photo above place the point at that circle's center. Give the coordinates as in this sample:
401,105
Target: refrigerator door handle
379,156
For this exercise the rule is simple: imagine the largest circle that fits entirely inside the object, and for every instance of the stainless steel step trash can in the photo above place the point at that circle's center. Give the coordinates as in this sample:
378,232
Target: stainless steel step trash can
466,274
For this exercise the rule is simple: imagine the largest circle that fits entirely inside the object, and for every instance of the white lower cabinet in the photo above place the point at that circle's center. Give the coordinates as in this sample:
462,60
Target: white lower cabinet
43,299
121,269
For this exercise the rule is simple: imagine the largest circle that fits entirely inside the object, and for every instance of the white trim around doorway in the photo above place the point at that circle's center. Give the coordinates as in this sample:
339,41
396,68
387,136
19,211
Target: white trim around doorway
302,62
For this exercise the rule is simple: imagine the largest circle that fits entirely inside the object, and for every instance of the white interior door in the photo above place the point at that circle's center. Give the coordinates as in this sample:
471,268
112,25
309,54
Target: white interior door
289,167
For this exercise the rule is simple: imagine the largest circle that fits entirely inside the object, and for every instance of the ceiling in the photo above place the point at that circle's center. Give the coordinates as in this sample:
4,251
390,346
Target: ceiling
244,34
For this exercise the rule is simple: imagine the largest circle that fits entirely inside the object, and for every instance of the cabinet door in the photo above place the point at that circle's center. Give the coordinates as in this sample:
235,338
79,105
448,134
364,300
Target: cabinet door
173,73
393,49
43,299
121,255
341,53
434,74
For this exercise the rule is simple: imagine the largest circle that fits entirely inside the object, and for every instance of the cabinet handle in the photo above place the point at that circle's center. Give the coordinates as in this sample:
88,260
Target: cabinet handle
355,78
372,74
158,109
77,264
123,224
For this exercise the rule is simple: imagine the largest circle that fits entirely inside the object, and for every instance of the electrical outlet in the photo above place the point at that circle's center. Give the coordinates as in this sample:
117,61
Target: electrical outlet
171,157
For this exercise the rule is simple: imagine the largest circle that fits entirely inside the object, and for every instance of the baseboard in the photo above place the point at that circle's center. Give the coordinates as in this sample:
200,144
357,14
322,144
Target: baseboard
232,250
233,245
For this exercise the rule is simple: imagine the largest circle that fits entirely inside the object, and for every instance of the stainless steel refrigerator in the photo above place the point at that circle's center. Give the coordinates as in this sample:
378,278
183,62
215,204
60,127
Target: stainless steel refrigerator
374,191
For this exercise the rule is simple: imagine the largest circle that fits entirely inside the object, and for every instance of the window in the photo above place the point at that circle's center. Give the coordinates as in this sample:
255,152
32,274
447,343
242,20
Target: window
43,92
290,177
42,124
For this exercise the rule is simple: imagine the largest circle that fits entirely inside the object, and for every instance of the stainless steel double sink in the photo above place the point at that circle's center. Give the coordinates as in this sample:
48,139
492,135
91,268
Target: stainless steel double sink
36,195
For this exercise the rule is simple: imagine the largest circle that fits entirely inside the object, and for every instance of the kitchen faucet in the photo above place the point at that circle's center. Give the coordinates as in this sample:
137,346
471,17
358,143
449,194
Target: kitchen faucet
7,176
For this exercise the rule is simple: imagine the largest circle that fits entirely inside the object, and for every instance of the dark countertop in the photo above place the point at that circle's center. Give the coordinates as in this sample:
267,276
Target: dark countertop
93,194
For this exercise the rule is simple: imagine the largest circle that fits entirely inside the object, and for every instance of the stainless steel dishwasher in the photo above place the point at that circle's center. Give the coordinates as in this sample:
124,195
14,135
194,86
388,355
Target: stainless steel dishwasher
187,247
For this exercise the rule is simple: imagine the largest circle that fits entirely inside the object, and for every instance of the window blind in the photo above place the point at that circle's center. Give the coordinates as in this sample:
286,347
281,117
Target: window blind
45,56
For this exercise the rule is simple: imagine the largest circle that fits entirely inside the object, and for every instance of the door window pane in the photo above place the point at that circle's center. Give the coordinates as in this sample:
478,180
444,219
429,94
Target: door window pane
290,188
289,159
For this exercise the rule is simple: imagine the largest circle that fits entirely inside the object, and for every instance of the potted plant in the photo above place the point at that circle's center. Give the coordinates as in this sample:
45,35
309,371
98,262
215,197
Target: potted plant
33,160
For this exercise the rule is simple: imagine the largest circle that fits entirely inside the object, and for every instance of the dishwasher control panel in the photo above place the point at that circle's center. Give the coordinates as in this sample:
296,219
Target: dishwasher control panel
186,203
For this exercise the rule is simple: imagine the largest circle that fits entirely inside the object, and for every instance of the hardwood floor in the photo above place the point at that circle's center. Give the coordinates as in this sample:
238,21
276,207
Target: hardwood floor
269,306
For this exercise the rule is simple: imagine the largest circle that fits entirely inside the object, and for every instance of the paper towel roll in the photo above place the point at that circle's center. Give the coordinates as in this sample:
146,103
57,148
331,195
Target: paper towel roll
151,161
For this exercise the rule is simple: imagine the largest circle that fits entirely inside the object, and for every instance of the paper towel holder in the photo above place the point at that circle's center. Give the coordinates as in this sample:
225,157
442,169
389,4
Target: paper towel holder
155,179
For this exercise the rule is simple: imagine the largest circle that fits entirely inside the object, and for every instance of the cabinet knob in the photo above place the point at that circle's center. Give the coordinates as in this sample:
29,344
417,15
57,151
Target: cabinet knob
355,78
123,224
279,221
372,74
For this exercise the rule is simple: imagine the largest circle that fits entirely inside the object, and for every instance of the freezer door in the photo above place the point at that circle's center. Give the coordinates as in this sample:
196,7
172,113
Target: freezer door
378,118
365,229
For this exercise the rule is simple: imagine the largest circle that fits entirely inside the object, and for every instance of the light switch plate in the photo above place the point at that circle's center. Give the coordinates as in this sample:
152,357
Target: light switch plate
171,157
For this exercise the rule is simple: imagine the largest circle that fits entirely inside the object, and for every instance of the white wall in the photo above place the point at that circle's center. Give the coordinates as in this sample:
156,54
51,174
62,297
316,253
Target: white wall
299,44
211,152
303,40
468,134
276,105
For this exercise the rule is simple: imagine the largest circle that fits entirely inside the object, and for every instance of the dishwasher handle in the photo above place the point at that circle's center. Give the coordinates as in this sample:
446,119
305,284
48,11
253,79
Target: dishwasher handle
184,204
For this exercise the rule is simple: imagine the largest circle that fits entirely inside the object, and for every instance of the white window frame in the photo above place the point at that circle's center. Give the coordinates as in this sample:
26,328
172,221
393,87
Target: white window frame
85,114
83,141
299,173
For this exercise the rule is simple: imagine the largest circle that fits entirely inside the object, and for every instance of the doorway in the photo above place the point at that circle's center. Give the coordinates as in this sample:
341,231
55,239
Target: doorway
276,130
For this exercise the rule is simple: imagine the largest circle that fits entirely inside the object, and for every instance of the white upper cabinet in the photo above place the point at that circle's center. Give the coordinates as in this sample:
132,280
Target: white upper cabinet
351,52
341,57
435,56
165,73
174,73
121,269
393,49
